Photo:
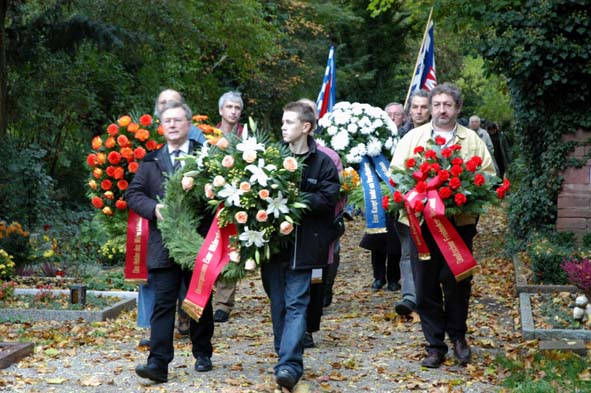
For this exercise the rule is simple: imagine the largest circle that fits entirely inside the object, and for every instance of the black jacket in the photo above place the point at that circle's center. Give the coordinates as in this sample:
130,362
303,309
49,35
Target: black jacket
320,180
147,186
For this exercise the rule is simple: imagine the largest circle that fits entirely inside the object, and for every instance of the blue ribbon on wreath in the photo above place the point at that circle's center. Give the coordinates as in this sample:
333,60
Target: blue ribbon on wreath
375,216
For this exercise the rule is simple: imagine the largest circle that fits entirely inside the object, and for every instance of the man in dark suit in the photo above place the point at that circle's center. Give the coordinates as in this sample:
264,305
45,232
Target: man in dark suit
142,196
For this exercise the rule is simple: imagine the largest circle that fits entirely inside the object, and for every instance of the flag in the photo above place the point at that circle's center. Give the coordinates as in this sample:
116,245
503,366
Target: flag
424,76
327,96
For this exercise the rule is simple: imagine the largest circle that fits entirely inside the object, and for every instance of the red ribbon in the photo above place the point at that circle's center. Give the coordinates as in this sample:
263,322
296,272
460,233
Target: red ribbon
458,257
136,248
213,255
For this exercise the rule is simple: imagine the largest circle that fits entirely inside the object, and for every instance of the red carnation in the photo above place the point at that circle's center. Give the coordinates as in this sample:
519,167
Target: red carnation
145,120
385,202
471,166
121,204
421,186
133,167
418,149
392,182
447,152
460,199
122,185
151,145
445,192
114,157
160,130
455,183
106,184
436,167
119,173
419,206
456,170
477,160
501,192
97,202
431,154
113,129
425,167
444,174
123,141
411,162
456,147
91,159
139,153
397,197
110,171
457,161
440,140
479,179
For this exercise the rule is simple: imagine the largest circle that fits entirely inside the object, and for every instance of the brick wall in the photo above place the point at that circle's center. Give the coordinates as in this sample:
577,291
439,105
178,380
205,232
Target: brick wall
574,201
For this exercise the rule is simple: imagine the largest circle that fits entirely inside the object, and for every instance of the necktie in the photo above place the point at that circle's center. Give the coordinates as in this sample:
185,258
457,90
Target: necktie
176,163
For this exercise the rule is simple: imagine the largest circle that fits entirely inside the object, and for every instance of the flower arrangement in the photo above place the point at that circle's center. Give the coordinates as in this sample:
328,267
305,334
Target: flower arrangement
213,134
349,180
257,183
355,130
14,240
115,159
461,185
7,290
6,265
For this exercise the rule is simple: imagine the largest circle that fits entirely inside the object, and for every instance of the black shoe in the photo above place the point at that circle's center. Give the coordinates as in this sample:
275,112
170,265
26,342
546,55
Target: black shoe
405,307
221,316
183,324
152,372
144,342
462,351
434,359
308,340
377,284
203,364
347,216
285,379
393,286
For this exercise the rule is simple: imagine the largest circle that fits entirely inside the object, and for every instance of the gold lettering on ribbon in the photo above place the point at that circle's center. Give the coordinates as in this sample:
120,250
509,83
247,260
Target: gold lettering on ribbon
372,193
451,244
137,245
207,259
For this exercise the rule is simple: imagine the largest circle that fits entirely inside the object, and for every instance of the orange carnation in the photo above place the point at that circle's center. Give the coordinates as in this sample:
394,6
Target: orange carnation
97,172
106,184
113,129
124,121
142,134
133,127
109,195
200,117
114,157
119,173
97,142
110,142
107,210
127,153
133,167
206,128
151,145
97,202
121,204
101,157
145,120
139,153
92,184
91,159
160,130
122,185
123,141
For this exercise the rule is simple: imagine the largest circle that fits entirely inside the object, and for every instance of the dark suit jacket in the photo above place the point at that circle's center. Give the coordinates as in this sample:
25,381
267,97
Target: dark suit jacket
143,193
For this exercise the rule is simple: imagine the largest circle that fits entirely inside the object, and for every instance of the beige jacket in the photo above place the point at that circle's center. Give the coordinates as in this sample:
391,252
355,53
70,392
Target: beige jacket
471,144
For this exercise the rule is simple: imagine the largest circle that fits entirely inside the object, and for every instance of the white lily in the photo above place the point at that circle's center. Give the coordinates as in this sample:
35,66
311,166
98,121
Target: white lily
252,237
277,205
258,174
232,194
250,144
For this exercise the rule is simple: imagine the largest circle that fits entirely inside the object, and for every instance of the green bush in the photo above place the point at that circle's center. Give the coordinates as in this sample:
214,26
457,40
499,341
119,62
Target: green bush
547,251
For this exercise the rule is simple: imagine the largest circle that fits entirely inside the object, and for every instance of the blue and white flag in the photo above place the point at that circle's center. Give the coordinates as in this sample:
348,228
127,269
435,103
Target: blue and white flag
425,77
328,91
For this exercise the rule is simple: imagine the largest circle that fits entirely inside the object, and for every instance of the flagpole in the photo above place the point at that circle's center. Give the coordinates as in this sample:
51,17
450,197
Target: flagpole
418,58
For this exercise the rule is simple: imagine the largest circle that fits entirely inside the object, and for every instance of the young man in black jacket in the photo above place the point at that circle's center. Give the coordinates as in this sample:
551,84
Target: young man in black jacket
286,278
142,196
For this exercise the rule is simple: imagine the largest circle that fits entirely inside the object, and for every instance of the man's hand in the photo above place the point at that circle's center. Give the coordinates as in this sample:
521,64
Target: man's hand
159,215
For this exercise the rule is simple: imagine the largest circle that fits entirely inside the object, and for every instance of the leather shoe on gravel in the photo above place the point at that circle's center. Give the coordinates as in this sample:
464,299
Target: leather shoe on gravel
405,307
152,372
462,351
285,379
433,360
203,364
221,316
377,284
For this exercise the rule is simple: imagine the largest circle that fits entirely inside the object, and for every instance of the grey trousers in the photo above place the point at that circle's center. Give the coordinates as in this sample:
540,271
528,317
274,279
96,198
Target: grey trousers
406,277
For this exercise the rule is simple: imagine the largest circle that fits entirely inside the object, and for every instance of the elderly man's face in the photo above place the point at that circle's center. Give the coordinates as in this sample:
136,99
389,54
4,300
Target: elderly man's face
166,96
396,113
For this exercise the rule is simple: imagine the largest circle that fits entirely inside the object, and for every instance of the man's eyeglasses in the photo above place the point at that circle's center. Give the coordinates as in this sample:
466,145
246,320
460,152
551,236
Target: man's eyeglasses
177,120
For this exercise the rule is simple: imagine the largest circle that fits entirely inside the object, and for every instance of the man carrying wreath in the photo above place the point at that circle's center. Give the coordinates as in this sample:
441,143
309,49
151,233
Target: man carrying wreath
286,277
143,197
442,302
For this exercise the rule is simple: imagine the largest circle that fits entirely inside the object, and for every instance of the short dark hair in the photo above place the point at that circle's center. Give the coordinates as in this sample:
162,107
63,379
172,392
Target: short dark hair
304,111
419,93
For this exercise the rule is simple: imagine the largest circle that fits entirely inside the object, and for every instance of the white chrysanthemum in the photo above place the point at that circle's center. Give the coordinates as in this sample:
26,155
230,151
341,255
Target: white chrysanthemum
377,123
374,147
326,120
357,108
364,122
341,117
332,130
373,112
353,158
362,149
341,105
320,142
340,141
391,126
352,128
388,144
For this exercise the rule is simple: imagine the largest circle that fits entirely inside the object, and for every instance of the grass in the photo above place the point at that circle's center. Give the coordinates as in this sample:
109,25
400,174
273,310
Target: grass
58,302
551,371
